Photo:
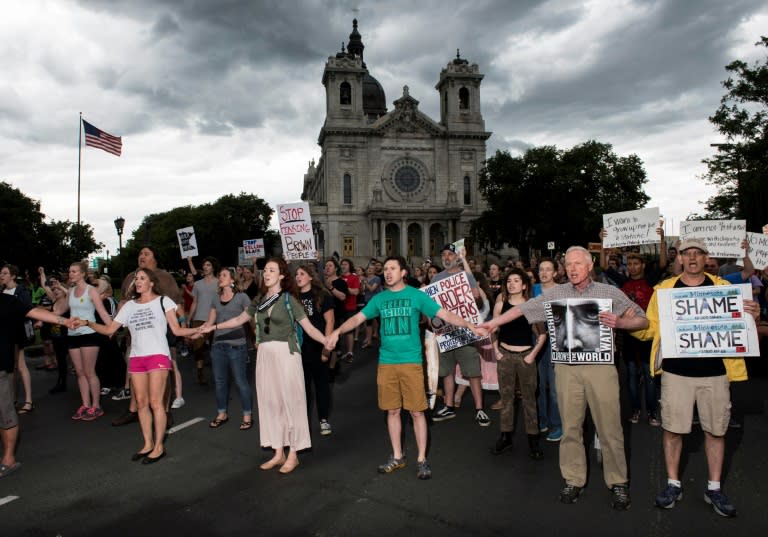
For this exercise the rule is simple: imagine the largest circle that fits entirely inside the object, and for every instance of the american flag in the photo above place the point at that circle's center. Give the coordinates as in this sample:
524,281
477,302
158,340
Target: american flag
98,138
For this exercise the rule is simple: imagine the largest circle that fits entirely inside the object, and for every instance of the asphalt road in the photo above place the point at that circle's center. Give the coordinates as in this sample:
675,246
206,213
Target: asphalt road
77,479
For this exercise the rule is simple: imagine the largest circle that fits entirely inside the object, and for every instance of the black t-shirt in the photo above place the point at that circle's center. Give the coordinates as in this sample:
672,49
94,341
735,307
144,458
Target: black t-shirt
694,367
315,317
339,310
12,316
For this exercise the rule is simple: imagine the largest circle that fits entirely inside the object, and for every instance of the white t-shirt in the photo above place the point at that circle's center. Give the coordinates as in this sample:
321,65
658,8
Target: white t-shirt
148,326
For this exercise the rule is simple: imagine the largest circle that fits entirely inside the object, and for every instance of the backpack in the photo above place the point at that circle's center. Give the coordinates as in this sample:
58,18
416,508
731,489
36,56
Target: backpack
298,331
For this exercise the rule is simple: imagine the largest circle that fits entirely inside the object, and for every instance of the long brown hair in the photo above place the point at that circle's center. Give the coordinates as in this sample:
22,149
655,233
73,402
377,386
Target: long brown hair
514,271
288,285
319,292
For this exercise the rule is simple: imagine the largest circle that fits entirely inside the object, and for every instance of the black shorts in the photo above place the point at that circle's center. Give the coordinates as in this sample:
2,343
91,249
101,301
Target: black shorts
85,340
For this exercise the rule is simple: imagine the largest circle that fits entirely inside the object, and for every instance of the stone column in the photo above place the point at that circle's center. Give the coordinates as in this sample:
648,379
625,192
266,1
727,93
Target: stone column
403,238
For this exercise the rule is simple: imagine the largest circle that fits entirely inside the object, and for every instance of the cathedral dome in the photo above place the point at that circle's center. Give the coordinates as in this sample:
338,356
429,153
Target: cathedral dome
374,100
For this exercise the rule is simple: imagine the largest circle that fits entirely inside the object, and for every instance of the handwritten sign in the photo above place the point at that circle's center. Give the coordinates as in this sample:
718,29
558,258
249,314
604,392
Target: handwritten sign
723,237
706,322
629,228
296,231
253,248
454,293
187,242
758,249
575,332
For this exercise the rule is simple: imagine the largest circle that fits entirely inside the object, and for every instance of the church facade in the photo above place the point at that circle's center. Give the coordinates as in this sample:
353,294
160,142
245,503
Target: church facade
395,182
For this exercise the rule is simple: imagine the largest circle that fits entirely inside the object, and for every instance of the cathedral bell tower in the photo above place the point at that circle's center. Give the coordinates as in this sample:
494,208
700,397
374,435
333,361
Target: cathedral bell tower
459,88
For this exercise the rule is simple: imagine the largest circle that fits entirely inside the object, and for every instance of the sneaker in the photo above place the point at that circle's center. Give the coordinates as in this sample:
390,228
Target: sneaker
392,464
325,428
543,429
620,499
555,434
124,393
92,413
125,419
667,497
570,493
719,503
349,357
445,413
106,391
635,418
482,418
80,412
423,471
178,402
653,421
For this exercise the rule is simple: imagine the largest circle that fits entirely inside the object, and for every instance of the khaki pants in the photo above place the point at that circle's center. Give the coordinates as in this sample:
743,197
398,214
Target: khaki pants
598,387
510,369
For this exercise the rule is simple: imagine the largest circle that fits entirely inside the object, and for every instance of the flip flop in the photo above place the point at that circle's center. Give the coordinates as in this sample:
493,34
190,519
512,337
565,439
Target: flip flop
218,422
6,470
26,408
245,425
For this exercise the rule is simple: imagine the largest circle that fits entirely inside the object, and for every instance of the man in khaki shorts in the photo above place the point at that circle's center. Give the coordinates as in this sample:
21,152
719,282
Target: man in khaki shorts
687,381
400,376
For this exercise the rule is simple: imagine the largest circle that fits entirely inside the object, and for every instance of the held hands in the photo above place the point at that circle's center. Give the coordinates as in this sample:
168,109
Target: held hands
330,341
205,328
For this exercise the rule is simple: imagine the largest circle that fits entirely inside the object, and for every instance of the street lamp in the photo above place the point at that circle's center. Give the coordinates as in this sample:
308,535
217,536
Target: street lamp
119,225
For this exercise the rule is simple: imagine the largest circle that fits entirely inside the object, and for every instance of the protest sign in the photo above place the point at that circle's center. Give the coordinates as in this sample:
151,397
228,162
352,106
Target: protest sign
454,294
241,260
187,242
296,231
706,322
575,332
723,237
758,249
253,248
630,228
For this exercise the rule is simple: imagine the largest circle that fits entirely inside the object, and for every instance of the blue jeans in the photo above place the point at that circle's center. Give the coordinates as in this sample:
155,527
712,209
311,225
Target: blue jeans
549,414
226,357
634,372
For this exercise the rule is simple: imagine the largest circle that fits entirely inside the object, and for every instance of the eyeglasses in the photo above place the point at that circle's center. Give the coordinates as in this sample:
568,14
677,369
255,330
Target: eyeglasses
266,324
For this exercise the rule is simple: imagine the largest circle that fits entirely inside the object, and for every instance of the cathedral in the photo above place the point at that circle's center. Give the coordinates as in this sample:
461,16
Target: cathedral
395,182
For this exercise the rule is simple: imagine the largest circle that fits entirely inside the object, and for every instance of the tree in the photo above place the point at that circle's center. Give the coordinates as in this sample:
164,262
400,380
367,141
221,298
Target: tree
739,168
220,228
29,242
549,194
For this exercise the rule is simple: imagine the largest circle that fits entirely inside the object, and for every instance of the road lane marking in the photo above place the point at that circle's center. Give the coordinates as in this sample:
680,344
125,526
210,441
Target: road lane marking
184,425
8,499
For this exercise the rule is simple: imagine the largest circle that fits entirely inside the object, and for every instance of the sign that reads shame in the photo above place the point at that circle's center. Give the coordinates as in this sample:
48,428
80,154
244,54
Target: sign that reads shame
575,332
454,293
706,322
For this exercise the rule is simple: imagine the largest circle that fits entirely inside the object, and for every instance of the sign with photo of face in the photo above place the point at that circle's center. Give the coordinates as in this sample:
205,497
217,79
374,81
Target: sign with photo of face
575,332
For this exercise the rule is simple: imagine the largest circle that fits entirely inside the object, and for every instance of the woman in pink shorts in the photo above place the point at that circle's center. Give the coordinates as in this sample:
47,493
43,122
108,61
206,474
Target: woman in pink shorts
148,317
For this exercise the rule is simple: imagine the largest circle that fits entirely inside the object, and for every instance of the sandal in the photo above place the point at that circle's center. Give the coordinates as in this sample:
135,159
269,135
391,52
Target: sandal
26,408
245,425
218,422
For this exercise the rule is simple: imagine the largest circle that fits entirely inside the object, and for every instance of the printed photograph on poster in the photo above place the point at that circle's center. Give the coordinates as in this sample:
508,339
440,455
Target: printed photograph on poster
295,224
723,237
709,321
631,228
575,332
253,248
454,294
187,242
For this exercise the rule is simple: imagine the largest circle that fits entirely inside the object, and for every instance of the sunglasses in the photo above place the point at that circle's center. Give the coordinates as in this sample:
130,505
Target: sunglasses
266,324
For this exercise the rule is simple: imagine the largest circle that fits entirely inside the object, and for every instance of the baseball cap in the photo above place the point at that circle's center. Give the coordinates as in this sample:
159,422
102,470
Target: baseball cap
693,243
449,247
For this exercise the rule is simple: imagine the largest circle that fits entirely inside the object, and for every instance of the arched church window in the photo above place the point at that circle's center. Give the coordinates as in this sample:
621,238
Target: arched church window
347,189
464,99
467,190
345,93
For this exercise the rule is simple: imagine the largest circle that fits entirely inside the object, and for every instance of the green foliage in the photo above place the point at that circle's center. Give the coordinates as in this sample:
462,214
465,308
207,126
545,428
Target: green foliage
30,242
739,168
549,194
220,228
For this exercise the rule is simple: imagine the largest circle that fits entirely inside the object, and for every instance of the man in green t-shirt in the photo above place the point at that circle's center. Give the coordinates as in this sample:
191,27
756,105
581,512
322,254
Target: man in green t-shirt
400,376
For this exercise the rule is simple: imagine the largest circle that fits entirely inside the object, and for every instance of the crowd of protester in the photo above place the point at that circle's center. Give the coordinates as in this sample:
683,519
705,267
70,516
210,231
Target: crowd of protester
296,331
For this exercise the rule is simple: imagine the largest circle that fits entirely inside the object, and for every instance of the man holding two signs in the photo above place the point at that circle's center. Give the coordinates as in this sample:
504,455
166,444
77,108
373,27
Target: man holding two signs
701,380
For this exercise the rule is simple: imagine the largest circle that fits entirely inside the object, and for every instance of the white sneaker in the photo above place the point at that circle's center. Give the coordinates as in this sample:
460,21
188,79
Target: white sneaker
325,428
178,402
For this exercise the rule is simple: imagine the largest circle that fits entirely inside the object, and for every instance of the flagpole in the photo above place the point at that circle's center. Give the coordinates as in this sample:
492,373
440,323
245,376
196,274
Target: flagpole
79,154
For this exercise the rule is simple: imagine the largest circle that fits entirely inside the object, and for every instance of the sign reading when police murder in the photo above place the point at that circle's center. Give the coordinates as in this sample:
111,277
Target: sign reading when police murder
575,332
296,231
706,322
723,237
758,249
253,248
630,228
454,294
187,242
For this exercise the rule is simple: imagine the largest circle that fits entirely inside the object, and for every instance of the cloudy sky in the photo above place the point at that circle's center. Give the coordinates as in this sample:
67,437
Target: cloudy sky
222,96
